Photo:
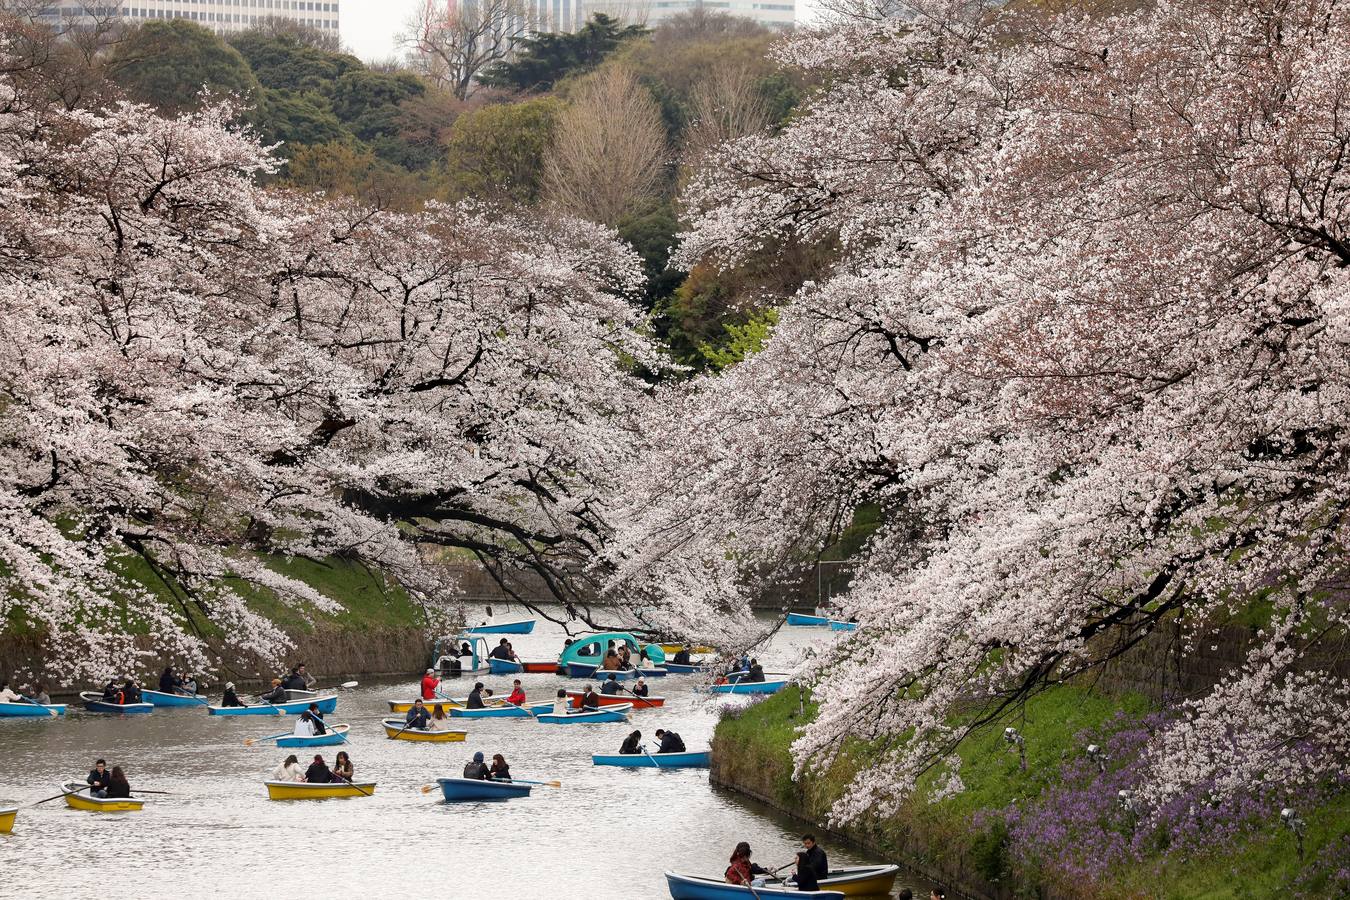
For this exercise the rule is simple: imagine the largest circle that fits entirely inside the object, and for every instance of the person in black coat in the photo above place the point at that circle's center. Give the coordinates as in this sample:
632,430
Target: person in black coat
475,700
815,856
610,687
317,718
502,650
640,689
476,769
169,682
277,694
98,779
318,772
589,700
131,692
806,876
631,743
670,742
755,673
418,717
682,656
118,786
230,698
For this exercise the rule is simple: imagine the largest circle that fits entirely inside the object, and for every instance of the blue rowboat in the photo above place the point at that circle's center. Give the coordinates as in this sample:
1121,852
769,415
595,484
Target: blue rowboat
159,698
581,670
291,707
767,686
32,710
696,887
94,702
336,734
588,717
525,666
688,760
602,675
803,619
516,626
457,790
684,668
504,666
652,671
843,626
502,711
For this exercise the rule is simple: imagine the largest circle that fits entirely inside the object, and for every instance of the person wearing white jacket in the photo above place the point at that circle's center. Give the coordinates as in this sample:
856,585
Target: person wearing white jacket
289,770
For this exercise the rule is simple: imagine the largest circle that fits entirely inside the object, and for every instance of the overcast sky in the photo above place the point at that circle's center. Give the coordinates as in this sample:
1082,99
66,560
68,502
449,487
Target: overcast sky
369,26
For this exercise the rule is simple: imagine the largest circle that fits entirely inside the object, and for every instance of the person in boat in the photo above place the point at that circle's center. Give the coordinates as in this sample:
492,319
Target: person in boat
131,692
517,695
611,686
611,662
489,619
118,786
475,768
304,726
298,680
111,692
318,772
438,712
189,686
465,649
937,894
743,663
625,657
343,770
289,770
742,870
7,694
40,695
500,771
169,682
98,779
816,858
755,672
682,656
670,742
276,695
589,700
230,698
417,717
475,700
317,718
805,875
503,650
561,705
431,685
640,688
631,744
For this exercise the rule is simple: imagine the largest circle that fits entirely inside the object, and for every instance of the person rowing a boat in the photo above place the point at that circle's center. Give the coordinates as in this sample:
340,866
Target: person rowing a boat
517,695
670,742
289,770
98,779
632,744
476,769
230,698
343,770
742,870
299,679
431,685
589,700
276,695
475,700
169,682
611,685
317,718
418,717
755,672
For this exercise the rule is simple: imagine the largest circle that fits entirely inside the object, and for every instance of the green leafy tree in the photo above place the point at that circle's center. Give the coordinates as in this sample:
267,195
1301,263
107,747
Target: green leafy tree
545,59
651,233
368,102
294,119
500,151
168,63
284,62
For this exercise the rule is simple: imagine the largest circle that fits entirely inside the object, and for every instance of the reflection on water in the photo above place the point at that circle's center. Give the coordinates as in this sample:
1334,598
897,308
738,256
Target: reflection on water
606,834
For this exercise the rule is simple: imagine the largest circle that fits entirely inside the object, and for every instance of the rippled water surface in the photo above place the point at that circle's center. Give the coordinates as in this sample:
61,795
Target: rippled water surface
606,834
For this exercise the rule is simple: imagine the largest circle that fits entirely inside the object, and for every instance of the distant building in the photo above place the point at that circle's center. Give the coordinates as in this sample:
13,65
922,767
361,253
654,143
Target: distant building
218,15
780,15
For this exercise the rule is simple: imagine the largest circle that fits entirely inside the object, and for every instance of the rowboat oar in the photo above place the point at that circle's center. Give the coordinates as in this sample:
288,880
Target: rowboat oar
524,781
249,742
51,712
348,684
59,796
339,778
643,700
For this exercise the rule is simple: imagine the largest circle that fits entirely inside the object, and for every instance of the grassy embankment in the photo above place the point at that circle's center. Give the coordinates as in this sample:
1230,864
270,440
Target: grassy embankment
961,834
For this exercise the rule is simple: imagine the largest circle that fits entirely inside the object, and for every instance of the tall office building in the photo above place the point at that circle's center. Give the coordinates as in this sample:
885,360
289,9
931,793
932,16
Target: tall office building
218,15
777,14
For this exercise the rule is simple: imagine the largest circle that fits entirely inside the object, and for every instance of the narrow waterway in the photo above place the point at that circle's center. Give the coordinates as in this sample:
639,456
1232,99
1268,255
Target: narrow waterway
606,834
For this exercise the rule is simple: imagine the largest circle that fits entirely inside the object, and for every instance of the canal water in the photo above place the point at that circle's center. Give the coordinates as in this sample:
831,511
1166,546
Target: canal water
606,834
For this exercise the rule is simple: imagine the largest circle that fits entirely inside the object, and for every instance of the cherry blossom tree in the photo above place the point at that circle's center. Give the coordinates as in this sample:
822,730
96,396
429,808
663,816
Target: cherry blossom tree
1084,339
201,375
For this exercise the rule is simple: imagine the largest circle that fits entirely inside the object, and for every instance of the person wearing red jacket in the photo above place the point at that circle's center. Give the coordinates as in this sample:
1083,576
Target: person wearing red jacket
517,695
431,685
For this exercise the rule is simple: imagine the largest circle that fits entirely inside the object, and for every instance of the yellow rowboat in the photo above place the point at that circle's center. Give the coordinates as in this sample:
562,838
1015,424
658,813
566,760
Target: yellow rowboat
861,881
672,649
7,819
82,800
393,728
402,706
299,790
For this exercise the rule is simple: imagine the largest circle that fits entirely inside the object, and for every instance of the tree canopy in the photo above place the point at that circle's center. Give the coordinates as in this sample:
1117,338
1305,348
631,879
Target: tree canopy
543,60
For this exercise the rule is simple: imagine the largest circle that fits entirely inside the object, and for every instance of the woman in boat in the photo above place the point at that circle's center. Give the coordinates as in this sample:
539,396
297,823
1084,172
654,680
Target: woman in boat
131,692
476,768
742,870
640,689
230,698
343,770
806,873
112,693
625,657
438,713
317,718
169,681
517,695
188,688
561,706
289,770
632,743
682,655
276,695
118,786
318,772
648,658
7,694
500,771
304,726
475,700
611,662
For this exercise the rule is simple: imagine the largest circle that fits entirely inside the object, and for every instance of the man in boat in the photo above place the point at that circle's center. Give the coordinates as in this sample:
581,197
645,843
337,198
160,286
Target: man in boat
169,682
611,686
476,768
517,695
682,656
317,718
475,700
7,695
631,744
276,695
40,695
670,742
230,698
431,685
589,700
503,650
299,680
815,857
755,672
131,691
418,717
111,692
98,779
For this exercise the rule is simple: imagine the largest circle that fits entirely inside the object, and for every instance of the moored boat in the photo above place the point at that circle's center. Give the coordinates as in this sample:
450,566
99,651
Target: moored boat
617,713
525,666
7,814
336,734
395,729
299,790
804,619
843,626
160,698
697,887
514,626
32,710
446,704
78,797
581,669
94,702
698,759
691,668
618,700
456,790
290,708
767,686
